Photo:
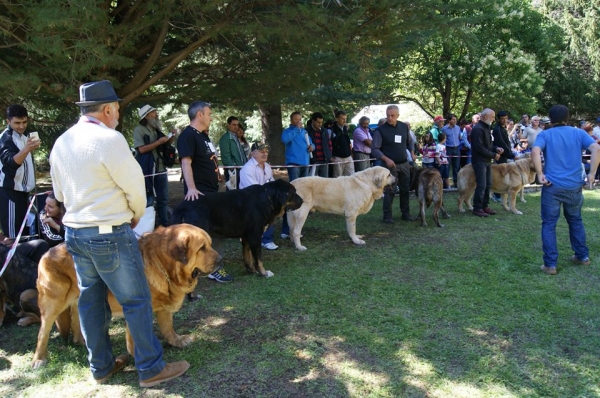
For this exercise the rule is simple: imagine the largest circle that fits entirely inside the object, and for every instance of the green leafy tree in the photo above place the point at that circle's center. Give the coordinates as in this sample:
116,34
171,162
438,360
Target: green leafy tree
492,55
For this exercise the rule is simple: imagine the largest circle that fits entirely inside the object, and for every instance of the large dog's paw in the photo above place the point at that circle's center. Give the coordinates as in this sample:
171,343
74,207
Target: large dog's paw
268,274
29,320
517,212
301,248
358,241
523,200
38,363
180,341
446,215
462,210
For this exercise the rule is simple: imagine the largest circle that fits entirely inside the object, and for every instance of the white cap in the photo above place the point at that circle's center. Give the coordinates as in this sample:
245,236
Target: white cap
145,110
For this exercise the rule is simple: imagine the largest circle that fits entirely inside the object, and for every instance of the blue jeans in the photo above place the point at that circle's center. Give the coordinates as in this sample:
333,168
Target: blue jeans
571,200
293,174
454,160
113,261
268,235
161,190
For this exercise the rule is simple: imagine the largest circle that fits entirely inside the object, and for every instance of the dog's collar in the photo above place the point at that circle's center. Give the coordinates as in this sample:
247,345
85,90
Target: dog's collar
164,273
270,201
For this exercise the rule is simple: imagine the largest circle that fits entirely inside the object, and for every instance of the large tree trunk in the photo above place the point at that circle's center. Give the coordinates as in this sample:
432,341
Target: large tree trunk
271,130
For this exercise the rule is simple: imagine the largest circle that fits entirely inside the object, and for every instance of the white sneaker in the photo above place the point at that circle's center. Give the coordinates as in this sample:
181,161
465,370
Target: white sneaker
270,246
284,236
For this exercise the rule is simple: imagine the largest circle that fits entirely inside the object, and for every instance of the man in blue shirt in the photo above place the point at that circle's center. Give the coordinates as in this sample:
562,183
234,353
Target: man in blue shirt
453,145
562,177
298,148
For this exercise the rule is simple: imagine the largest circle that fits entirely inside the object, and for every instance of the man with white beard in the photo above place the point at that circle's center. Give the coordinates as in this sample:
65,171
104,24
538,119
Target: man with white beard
146,140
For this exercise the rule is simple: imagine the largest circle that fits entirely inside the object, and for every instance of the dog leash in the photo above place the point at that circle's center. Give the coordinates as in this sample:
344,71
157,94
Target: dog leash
13,249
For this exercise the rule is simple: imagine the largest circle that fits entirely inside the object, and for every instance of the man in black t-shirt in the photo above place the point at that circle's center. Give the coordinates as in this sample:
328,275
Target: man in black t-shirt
199,163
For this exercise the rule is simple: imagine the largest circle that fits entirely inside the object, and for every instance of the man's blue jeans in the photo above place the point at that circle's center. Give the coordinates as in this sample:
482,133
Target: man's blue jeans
113,261
267,236
294,173
161,190
571,201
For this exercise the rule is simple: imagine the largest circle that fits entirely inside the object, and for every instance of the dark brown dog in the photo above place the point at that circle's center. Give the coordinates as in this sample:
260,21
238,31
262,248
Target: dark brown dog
428,185
173,259
17,287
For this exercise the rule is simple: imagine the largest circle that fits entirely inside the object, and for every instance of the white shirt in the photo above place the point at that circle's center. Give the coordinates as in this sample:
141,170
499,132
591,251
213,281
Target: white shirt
95,175
252,174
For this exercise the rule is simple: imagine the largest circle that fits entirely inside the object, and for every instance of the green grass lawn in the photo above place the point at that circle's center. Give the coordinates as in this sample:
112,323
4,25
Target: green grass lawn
462,311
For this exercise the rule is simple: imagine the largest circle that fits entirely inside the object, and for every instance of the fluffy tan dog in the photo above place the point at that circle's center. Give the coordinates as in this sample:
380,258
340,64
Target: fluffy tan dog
173,259
349,196
507,179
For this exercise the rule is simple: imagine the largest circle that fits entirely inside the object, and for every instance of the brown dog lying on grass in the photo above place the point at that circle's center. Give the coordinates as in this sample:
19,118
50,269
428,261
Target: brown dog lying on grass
429,187
17,286
173,258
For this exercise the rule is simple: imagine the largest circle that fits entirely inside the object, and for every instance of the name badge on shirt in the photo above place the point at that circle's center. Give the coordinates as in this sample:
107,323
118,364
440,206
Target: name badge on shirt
212,147
398,139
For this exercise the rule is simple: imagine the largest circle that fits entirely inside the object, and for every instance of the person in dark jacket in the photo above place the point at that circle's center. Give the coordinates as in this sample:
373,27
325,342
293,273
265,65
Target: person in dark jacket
52,229
319,136
483,153
502,140
342,147
17,174
390,141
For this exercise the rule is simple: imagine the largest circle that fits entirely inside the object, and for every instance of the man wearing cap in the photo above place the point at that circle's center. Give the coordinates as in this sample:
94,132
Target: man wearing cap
17,173
438,123
258,171
199,165
562,180
102,188
146,141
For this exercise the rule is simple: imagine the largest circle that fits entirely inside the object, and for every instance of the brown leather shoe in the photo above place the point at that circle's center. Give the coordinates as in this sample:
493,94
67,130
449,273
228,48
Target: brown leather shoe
120,362
489,211
585,261
479,213
170,371
549,270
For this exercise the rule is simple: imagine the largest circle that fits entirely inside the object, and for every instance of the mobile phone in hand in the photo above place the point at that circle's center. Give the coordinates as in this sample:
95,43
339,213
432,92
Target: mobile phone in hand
34,135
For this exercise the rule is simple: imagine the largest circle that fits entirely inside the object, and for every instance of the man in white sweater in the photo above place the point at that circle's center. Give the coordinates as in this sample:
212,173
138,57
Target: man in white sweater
102,188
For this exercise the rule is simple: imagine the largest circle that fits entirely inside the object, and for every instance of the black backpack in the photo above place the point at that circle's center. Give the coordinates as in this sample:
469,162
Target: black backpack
167,152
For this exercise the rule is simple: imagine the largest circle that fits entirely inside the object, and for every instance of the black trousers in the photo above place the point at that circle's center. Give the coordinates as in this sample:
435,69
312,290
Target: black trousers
13,209
402,173
483,177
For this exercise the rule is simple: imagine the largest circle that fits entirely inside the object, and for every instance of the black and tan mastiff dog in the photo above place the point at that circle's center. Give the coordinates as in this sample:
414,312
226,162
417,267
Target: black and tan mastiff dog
241,213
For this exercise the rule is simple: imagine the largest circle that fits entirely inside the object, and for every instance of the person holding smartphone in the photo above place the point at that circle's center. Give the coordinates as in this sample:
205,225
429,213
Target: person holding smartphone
17,173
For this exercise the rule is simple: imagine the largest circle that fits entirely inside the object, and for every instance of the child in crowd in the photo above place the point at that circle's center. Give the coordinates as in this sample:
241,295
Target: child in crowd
428,150
441,159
